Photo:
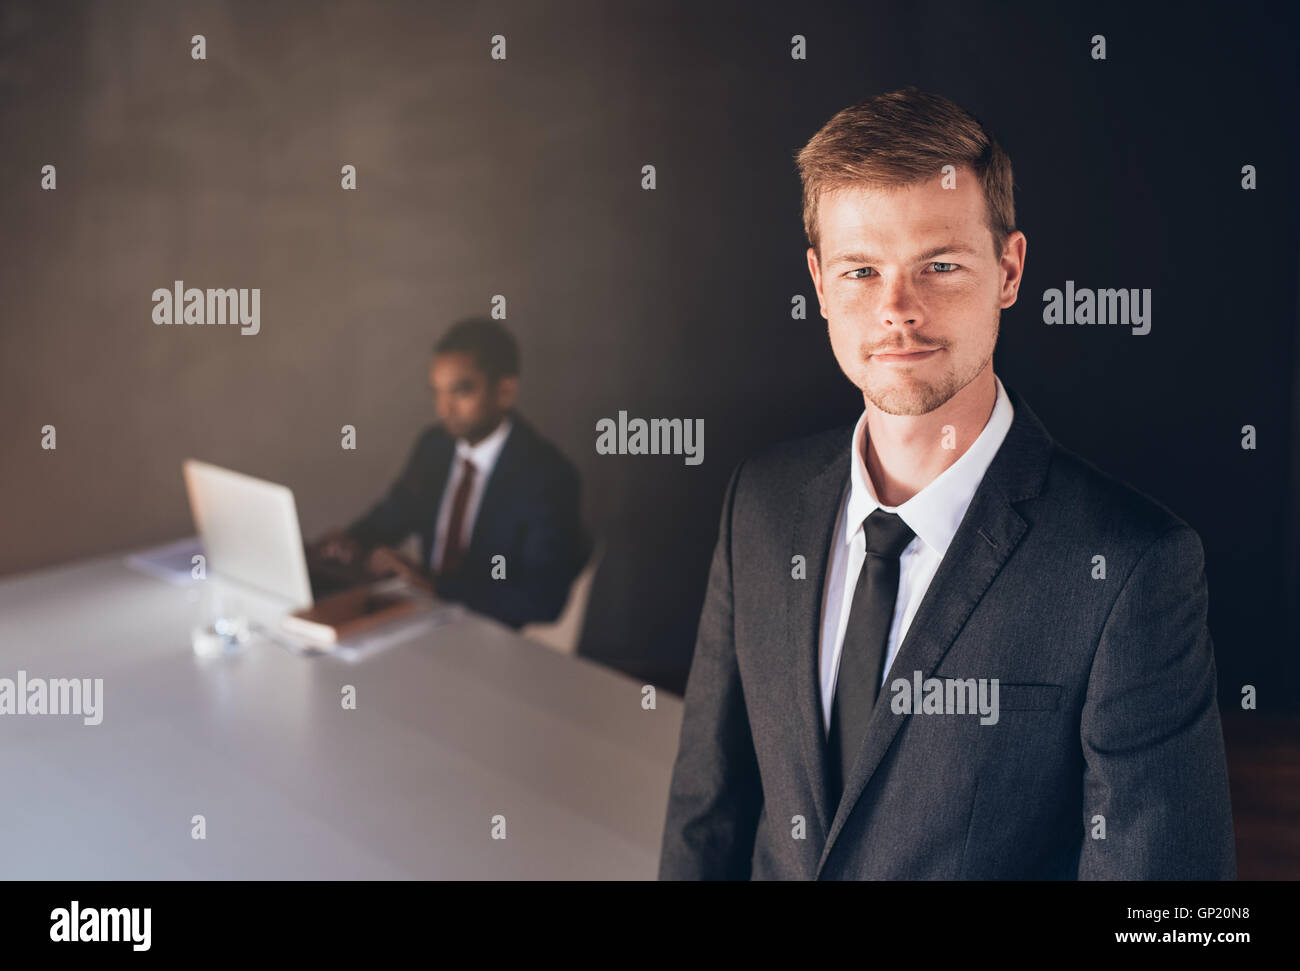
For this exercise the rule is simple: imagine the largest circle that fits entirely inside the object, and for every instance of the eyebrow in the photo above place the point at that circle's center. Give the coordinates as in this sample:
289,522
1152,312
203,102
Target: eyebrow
955,249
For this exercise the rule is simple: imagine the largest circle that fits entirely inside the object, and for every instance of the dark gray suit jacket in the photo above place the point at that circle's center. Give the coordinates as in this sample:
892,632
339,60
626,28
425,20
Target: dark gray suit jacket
1106,688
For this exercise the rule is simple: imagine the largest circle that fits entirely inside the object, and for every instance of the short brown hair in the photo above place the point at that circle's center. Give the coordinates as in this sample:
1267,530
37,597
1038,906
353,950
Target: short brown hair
898,139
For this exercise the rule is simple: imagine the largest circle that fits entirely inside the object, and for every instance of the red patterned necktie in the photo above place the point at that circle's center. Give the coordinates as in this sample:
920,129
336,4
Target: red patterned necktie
454,553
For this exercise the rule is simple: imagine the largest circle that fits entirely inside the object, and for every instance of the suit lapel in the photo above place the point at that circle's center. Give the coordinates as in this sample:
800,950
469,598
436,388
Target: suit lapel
989,532
814,528
436,471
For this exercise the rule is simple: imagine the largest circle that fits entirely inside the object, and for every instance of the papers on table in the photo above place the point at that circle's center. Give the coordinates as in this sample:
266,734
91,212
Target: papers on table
173,562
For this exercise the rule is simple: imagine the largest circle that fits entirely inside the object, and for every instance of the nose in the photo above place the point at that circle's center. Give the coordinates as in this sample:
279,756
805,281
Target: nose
900,303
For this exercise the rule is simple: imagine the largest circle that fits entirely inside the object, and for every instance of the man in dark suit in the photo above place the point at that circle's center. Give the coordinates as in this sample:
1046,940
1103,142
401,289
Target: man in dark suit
494,504
944,539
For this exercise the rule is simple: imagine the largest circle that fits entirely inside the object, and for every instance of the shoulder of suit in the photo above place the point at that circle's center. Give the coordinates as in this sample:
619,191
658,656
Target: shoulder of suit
1103,504
434,437
539,452
795,461
1077,495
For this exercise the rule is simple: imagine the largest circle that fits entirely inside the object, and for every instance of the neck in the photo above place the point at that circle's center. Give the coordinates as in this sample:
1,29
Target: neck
475,438
907,452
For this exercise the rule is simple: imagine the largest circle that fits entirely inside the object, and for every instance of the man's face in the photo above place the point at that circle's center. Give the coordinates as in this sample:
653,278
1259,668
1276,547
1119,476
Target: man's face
468,404
912,268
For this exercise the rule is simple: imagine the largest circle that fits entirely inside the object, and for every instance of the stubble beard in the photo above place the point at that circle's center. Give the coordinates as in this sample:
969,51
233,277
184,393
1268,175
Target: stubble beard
907,394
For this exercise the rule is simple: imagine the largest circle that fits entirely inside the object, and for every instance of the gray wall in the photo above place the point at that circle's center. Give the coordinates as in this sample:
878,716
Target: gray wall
522,178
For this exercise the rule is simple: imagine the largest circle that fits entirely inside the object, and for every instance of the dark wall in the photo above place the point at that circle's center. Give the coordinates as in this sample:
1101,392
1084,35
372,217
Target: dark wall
522,178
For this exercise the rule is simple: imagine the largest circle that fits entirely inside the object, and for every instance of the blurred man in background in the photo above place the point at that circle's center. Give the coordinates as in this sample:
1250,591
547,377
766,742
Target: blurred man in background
493,503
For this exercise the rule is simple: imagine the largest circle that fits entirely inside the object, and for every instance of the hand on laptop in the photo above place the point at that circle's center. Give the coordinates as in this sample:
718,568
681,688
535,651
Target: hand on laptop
338,546
385,561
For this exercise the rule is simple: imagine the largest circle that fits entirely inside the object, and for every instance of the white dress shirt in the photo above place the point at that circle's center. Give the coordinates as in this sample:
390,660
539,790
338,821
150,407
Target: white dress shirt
933,514
483,457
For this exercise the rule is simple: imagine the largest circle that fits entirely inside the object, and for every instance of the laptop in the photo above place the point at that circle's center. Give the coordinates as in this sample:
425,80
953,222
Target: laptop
250,533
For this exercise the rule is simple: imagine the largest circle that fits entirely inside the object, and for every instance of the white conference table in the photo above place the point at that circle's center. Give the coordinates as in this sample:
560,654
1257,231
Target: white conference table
452,727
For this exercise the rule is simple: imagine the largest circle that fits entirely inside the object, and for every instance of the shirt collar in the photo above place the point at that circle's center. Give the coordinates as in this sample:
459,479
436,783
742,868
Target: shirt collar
936,511
484,455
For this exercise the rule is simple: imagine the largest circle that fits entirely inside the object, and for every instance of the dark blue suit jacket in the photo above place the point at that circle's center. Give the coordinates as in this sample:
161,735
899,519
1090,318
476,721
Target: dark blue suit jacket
529,514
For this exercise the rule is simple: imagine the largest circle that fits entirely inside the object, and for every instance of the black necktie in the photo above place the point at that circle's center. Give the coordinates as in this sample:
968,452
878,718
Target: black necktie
866,638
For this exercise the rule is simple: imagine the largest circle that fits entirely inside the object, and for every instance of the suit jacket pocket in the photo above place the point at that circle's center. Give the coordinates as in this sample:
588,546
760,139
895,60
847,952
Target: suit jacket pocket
1028,697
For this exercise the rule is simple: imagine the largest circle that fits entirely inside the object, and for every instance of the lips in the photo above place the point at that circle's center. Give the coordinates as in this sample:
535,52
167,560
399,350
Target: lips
905,354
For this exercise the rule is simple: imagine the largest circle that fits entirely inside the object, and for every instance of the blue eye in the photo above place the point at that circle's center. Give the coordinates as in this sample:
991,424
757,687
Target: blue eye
952,265
860,269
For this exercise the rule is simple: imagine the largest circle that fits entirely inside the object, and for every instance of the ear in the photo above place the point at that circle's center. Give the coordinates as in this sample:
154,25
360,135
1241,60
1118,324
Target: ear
814,268
507,392
1013,268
